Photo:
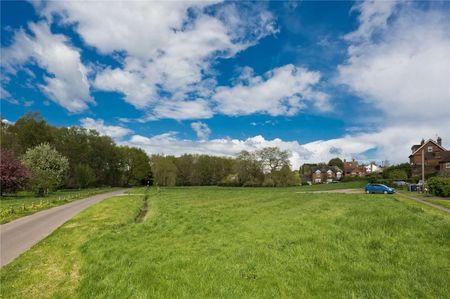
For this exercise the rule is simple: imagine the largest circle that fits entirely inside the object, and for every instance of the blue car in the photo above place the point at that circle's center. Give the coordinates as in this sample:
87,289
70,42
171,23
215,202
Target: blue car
378,188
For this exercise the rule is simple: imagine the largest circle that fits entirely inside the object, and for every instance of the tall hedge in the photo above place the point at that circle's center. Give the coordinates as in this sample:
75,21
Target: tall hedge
439,186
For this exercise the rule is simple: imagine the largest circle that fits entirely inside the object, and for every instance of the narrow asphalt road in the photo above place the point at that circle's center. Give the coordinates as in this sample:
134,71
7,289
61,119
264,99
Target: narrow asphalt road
19,235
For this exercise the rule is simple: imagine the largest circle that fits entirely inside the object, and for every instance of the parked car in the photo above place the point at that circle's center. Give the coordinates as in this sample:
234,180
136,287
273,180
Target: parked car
378,188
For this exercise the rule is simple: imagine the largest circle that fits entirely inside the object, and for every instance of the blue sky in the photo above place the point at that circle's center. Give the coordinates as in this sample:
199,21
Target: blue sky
317,78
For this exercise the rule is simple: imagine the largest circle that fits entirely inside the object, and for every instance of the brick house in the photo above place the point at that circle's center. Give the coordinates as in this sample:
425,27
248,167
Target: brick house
326,174
353,169
444,164
436,157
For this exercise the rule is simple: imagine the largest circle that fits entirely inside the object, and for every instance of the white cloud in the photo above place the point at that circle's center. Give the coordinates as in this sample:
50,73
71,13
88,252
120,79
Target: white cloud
68,84
201,129
170,144
399,63
393,144
8,122
401,66
181,110
99,125
281,91
373,17
168,48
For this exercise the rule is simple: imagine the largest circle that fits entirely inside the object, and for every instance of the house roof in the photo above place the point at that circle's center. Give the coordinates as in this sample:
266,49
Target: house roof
326,168
425,143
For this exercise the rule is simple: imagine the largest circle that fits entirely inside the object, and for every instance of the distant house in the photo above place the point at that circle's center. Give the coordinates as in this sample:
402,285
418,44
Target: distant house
326,174
353,169
435,156
372,168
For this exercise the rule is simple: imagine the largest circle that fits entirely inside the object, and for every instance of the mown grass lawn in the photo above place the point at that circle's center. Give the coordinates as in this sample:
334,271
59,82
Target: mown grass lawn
240,243
23,203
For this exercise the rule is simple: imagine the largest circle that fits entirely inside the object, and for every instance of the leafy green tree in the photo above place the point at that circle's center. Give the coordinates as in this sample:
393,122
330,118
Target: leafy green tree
398,174
272,158
397,170
283,177
336,162
48,168
136,166
249,169
83,175
28,131
185,167
164,170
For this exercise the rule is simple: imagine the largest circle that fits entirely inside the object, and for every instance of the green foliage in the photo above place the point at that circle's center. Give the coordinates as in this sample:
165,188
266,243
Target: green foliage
136,166
47,166
83,175
284,177
240,243
439,186
28,131
249,169
272,158
397,174
336,162
164,171
397,170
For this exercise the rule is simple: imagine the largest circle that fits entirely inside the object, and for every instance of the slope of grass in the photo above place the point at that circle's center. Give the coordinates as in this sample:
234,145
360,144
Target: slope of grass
27,203
245,243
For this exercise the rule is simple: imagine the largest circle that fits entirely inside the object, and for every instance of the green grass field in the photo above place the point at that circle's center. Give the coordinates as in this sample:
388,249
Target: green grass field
241,243
26,203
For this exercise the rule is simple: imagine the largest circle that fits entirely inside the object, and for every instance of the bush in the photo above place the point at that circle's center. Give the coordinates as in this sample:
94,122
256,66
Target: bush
252,183
439,186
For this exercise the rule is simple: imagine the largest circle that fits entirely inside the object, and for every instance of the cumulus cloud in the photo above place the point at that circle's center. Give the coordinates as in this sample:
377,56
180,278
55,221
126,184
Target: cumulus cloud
67,84
282,91
399,63
108,130
168,48
201,129
401,66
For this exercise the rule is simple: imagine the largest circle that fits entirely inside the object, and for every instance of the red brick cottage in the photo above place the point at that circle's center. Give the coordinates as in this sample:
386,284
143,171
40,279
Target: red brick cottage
435,157
326,174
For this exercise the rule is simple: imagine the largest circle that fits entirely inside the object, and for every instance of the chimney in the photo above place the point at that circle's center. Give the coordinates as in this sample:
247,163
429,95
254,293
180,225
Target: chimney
439,141
422,142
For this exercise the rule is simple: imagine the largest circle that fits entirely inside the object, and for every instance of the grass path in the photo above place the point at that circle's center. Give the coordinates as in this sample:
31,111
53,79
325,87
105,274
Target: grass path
241,243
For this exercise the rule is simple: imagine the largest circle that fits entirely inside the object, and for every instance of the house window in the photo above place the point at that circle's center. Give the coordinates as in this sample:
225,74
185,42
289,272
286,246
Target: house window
430,149
447,165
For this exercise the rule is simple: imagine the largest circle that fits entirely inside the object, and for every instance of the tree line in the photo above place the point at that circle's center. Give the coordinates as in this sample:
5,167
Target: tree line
269,167
40,157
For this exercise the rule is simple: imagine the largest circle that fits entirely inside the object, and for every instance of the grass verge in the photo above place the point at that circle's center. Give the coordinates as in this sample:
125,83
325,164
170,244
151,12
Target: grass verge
27,203
245,243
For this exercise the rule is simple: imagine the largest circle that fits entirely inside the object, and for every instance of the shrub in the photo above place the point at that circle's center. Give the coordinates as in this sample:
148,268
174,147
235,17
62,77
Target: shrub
48,167
439,186
13,174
